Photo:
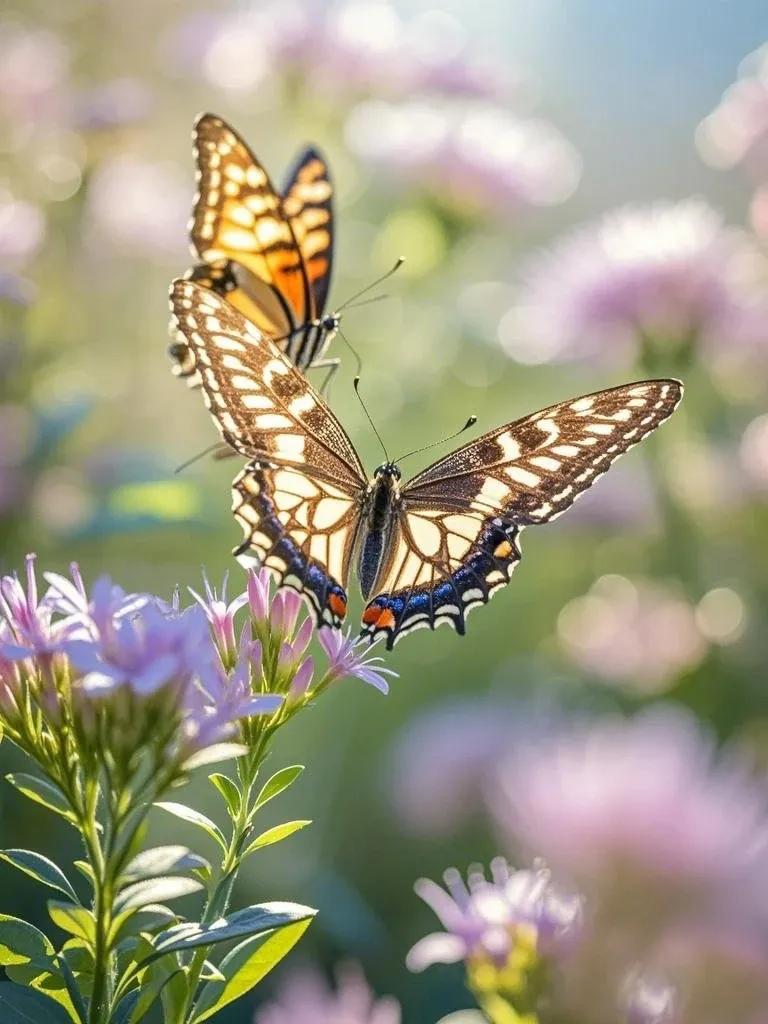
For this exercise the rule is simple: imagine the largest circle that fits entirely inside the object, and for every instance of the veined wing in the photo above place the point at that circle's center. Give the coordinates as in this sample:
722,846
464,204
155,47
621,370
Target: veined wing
308,204
461,517
264,408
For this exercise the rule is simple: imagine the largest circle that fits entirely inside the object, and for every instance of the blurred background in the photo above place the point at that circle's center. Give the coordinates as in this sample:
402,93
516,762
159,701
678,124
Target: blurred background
581,193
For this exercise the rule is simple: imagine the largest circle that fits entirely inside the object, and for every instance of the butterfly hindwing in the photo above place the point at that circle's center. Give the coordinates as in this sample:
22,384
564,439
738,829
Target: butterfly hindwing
478,499
302,528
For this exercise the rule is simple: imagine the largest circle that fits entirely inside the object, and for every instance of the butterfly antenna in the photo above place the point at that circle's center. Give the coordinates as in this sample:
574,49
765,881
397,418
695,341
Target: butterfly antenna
356,386
400,261
195,458
470,423
355,353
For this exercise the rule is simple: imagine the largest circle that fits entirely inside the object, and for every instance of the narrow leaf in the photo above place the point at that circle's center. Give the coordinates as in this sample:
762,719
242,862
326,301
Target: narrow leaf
50,985
275,835
215,753
76,921
229,790
42,792
194,818
28,1006
248,921
22,943
278,783
162,860
41,869
153,890
245,966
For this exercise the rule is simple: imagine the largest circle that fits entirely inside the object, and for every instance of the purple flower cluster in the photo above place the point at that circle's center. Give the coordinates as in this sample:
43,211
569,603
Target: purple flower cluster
109,655
304,997
667,274
485,919
476,157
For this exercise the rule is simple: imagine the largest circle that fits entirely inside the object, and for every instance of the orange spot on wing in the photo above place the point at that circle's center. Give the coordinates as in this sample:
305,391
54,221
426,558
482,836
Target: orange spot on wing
371,615
502,550
337,605
381,618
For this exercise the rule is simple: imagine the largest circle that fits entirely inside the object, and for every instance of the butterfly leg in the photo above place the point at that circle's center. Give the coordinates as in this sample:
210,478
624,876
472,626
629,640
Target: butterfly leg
332,366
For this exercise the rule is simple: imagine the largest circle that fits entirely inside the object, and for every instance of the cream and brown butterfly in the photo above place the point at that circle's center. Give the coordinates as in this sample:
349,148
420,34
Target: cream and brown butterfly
428,551
268,253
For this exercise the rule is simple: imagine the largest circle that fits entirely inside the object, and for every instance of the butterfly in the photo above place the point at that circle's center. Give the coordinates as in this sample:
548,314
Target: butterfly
427,551
269,254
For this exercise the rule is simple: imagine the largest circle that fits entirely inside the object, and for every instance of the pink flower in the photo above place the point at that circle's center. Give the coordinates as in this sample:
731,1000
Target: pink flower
479,158
642,816
304,997
663,274
636,634
736,132
221,617
349,658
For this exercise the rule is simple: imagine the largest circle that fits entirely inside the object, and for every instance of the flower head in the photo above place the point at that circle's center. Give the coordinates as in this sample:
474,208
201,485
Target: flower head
664,274
350,658
221,617
304,997
639,635
506,924
640,814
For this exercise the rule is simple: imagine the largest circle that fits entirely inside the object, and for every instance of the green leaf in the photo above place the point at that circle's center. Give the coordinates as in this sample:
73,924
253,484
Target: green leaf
153,890
41,869
22,943
245,966
42,792
277,784
210,972
126,1006
28,1006
85,870
229,790
253,920
51,985
149,918
213,754
76,921
194,818
275,835
161,860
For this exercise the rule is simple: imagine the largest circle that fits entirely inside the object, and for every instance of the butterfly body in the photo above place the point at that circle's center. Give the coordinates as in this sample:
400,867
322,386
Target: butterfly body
427,551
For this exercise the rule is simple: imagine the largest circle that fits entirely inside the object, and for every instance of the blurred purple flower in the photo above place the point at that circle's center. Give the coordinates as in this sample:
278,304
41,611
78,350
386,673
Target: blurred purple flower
636,634
139,205
349,658
34,66
114,104
304,997
29,620
667,273
478,157
714,975
736,131
642,816
22,231
358,47
482,918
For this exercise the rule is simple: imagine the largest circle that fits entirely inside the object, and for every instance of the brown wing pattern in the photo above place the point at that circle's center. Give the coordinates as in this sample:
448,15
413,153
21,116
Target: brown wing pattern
303,529
308,204
238,217
461,517
264,408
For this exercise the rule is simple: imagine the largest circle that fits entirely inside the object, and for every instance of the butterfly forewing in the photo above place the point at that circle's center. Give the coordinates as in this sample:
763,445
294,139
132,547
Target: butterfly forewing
461,517
238,216
308,204
262,405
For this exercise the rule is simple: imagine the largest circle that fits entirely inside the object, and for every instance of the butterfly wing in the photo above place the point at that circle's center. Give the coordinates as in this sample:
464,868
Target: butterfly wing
308,204
298,499
238,219
461,517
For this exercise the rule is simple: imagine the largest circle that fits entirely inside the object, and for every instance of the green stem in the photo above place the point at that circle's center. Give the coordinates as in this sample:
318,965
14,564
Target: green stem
219,896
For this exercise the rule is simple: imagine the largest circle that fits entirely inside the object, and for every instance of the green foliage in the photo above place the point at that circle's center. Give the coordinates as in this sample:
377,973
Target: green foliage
28,1006
229,790
245,966
75,921
194,817
277,784
41,869
42,791
275,835
254,920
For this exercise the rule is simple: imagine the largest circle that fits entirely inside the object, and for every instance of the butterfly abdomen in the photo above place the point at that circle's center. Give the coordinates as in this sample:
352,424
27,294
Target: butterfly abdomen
381,503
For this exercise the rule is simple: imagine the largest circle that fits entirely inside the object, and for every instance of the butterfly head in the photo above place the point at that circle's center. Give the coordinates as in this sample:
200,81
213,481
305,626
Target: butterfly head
387,470
330,323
